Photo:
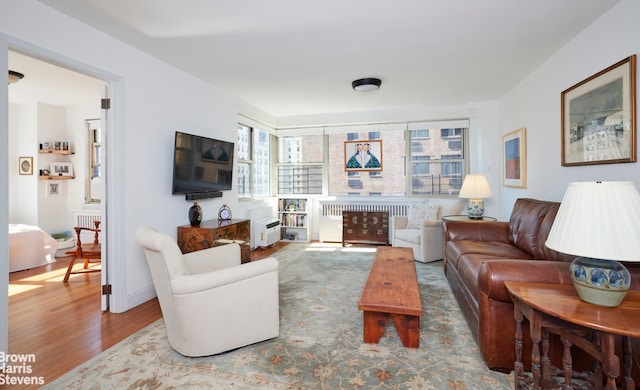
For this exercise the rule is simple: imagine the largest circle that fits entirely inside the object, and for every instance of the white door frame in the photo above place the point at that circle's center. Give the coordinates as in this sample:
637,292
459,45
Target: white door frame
112,204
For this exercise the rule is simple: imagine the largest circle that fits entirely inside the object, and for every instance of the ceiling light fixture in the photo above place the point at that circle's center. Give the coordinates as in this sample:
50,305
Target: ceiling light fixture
14,77
366,85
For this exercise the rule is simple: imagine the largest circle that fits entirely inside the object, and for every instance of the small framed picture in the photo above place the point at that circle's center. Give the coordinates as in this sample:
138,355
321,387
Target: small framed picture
54,188
25,165
514,153
45,146
66,147
57,145
61,169
363,155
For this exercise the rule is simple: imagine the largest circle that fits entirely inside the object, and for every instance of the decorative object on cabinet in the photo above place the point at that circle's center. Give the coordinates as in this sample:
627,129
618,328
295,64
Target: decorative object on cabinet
514,159
364,155
62,169
195,214
25,165
224,214
212,233
54,189
294,219
365,227
598,117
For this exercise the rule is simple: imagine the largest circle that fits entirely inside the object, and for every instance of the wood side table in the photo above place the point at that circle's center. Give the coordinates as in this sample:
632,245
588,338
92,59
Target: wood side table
466,218
557,309
213,233
365,227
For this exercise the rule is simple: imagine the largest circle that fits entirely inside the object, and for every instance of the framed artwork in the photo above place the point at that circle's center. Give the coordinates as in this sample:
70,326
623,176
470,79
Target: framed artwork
598,117
25,165
54,188
61,169
514,152
66,146
363,155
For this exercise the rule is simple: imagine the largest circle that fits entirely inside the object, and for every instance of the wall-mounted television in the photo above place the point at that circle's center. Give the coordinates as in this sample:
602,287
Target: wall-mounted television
202,166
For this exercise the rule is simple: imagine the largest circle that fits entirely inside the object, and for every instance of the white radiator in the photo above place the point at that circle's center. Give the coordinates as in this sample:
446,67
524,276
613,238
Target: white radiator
330,223
267,232
85,218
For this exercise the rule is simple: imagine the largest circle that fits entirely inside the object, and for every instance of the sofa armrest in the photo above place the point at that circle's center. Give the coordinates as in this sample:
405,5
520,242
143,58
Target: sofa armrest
494,273
399,222
476,231
192,284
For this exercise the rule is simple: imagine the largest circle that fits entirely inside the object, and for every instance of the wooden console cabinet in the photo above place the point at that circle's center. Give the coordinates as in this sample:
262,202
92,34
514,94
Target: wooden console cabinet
213,233
365,227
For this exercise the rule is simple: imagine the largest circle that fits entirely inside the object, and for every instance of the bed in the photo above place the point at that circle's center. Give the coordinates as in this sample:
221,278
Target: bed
30,247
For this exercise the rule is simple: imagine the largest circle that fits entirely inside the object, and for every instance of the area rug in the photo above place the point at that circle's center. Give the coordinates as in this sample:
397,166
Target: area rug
320,344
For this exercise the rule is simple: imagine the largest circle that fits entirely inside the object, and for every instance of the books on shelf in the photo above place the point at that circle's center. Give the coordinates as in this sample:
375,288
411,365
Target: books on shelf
292,219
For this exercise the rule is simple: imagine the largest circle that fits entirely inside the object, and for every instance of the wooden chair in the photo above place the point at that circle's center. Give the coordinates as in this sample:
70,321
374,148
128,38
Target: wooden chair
91,253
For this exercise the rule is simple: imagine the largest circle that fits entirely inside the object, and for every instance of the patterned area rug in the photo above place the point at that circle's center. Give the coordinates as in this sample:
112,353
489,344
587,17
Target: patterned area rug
320,344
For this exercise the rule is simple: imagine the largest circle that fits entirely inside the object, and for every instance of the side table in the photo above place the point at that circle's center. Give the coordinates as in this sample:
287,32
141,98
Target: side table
557,309
466,218
214,233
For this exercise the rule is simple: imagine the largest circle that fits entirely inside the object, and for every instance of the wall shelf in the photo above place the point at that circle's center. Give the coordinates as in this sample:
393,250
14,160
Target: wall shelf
65,152
56,177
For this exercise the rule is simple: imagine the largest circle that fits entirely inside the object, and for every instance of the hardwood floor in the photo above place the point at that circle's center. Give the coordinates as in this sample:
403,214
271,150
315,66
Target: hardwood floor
62,324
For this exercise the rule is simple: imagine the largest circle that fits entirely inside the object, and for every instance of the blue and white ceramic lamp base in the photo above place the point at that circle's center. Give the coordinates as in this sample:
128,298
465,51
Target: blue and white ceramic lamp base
601,282
475,208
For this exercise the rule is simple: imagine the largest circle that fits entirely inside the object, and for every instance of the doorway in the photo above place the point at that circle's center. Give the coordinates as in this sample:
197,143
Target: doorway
48,112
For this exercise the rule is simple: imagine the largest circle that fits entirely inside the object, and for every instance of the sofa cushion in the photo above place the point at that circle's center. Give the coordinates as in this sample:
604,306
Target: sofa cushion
409,235
456,249
419,212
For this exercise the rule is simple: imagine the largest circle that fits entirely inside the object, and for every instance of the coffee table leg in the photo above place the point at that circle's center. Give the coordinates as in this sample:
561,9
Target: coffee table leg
374,324
408,328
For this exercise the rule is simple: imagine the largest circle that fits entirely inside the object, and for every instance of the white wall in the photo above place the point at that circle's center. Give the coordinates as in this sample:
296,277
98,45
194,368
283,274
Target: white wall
23,189
151,101
535,104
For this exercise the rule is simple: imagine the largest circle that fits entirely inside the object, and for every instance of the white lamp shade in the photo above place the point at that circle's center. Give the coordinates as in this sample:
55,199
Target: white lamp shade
475,186
599,220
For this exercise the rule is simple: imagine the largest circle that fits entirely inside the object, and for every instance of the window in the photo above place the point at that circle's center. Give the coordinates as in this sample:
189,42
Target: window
253,151
418,159
93,186
388,182
300,164
437,163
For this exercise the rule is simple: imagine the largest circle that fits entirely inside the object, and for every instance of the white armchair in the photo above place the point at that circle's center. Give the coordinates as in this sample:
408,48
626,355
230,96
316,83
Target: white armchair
209,301
426,238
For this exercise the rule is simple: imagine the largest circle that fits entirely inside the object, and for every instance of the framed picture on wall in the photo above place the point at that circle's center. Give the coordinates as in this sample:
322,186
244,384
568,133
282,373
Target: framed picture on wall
25,165
363,155
598,117
61,169
514,152
54,188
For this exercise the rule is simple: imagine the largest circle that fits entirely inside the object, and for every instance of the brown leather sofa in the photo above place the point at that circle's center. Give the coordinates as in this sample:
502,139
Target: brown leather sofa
480,256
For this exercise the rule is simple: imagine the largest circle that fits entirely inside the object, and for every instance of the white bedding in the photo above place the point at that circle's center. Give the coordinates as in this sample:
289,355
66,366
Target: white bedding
30,247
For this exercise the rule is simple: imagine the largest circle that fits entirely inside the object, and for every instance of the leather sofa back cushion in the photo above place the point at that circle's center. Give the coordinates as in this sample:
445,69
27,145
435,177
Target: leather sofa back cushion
529,227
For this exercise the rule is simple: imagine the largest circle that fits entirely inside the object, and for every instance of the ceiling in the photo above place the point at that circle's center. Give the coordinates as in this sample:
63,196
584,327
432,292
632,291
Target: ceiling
292,57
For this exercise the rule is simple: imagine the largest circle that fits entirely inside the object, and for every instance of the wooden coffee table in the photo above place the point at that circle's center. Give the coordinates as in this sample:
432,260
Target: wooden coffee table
556,308
392,293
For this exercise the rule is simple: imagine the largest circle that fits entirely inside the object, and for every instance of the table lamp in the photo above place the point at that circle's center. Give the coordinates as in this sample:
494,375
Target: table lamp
600,222
475,187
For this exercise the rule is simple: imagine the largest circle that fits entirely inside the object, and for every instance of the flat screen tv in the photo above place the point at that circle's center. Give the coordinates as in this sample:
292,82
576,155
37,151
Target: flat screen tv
201,165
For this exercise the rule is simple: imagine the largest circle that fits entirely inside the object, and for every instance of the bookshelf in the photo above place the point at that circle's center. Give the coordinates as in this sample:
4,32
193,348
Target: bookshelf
294,219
